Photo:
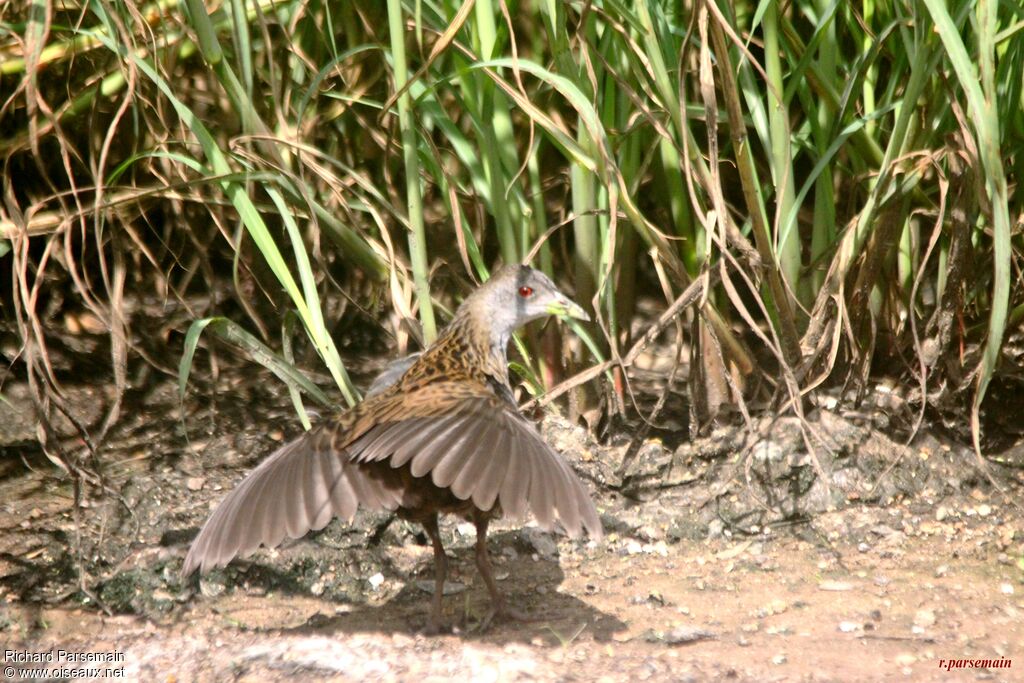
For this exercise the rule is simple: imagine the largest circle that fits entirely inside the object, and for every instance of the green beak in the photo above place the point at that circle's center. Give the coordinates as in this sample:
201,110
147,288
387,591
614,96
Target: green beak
567,308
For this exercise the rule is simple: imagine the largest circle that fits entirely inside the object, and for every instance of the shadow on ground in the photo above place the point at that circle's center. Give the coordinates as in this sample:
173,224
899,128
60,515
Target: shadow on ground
264,598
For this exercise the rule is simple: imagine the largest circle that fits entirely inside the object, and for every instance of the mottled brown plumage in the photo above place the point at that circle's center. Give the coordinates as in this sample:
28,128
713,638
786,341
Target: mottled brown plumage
443,437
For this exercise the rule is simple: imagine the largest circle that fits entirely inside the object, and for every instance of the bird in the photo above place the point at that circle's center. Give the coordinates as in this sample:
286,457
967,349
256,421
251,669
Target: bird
442,434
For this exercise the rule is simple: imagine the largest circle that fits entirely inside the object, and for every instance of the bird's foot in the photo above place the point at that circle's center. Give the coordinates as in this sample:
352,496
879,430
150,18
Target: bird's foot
503,613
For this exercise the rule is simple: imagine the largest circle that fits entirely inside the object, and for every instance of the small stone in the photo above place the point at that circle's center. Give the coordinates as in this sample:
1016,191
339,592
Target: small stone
1006,588
779,659
771,609
195,483
634,548
658,548
317,588
541,542
450,587
924,618
984,510
905,659
850,627
211,588
941,514
941,571
687,634
767,451
835,586
376,580
863,547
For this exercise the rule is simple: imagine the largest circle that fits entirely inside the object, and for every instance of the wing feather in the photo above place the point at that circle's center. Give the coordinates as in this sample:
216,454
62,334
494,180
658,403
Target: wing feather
489,484
298,488
478,445
487,452
440,429
541,494
482,457
455,455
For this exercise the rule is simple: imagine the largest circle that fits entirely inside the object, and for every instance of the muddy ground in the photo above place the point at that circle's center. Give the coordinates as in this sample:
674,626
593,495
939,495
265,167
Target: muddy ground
738,557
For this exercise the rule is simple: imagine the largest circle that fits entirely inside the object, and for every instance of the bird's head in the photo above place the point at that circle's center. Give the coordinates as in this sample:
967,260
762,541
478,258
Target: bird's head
516,295
526,294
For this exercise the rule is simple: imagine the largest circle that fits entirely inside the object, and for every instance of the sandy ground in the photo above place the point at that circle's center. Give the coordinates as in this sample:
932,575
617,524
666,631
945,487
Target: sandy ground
871,591
805,604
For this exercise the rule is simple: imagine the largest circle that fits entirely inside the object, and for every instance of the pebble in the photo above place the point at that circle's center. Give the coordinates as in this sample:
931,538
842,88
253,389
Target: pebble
850,626
687,634
541,542
210,588
924,618
195,483
376,580
450,587
835,586
767,450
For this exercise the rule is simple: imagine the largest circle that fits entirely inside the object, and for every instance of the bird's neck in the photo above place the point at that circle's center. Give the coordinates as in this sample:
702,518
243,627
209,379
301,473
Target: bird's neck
485,346
469,348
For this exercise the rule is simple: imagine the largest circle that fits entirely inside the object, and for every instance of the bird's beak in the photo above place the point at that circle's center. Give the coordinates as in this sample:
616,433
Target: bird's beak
567,308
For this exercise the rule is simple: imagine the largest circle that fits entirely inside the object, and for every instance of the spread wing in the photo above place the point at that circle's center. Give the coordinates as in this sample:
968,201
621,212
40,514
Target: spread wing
485,451
472,443
299,488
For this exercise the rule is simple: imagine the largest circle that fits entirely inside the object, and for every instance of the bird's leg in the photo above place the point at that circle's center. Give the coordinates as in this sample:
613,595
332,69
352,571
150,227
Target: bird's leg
483,564
440,572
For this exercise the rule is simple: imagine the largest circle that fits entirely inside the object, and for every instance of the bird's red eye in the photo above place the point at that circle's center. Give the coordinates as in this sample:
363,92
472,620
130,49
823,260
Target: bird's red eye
525,291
